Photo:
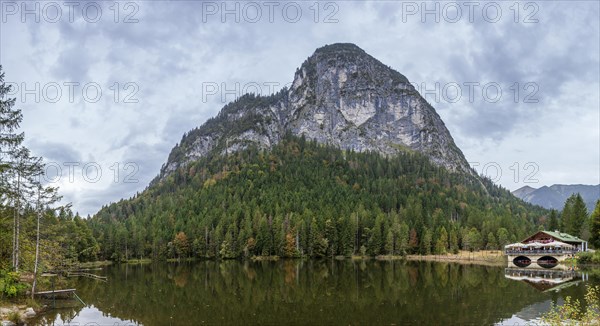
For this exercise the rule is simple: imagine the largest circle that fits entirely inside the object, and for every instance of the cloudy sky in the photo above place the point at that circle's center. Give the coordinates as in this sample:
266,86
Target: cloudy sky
108,88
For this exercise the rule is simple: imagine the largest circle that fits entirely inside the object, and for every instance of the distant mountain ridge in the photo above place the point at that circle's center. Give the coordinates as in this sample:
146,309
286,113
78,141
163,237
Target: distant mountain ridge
554,197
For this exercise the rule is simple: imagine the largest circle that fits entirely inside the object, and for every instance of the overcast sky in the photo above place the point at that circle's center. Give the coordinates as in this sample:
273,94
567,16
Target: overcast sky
164,67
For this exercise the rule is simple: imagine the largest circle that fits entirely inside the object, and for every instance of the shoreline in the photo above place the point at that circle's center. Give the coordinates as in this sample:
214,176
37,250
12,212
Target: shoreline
483,258
12,313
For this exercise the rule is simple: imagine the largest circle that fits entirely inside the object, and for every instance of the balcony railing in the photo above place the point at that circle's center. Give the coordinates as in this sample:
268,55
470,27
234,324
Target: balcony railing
541,252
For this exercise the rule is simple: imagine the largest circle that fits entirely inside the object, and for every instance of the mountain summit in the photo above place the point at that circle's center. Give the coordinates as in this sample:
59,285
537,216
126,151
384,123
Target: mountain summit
340,96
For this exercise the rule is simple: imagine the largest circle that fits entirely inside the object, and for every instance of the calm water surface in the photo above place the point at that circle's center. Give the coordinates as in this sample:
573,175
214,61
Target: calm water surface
313,292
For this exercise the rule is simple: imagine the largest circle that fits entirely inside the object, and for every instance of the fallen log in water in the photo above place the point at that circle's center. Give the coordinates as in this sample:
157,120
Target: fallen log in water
94,276
56,293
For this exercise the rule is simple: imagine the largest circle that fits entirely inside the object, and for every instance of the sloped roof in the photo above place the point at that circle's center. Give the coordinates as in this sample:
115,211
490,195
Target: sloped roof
564,237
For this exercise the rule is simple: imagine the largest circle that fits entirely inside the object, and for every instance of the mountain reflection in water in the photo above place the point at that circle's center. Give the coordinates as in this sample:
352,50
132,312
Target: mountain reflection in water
306,292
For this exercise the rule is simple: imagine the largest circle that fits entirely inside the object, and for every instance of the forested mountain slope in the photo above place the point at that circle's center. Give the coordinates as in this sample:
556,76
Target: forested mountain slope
305,198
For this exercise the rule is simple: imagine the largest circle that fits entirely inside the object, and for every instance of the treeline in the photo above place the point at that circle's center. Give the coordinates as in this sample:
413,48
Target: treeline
306,199
574,219
65,239
35,233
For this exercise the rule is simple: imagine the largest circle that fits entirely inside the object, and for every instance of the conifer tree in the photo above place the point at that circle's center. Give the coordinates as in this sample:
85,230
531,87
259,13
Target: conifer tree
441,245
595,226
553,223
453,241
19,170
491,241
574,215
502,237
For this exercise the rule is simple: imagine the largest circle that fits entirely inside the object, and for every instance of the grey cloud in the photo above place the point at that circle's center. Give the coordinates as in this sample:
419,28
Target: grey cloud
170,52
139,166
520,54
54,152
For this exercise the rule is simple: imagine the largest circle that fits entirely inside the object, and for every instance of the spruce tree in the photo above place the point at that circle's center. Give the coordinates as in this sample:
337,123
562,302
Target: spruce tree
10,120
453,239
553,223
502,237
441,244
491,241
19,170
595,226
574,215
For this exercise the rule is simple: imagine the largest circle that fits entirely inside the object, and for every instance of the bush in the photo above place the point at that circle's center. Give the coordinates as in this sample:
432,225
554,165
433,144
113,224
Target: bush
571,312
588,258
15,317
10,285
584,257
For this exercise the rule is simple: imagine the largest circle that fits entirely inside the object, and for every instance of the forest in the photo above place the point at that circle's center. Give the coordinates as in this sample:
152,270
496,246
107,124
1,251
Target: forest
306,199
36,233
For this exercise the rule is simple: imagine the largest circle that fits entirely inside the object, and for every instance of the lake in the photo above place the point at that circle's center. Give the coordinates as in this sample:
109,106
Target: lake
339,292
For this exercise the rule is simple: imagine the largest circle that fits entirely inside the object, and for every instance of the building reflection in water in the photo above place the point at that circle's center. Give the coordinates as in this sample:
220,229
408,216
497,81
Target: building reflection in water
545,278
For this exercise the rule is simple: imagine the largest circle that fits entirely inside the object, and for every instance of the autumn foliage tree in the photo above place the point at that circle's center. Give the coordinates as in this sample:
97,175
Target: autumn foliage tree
181,244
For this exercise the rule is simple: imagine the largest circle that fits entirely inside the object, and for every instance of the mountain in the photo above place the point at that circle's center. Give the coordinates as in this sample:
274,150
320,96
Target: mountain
340,96
349,160
523,191
554,197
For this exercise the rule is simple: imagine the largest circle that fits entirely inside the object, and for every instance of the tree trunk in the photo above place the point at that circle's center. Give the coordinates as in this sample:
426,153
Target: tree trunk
37,248
14,233
17,224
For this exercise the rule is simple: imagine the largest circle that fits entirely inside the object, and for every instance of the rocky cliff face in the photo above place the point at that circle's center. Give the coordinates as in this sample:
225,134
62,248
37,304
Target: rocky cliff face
341,96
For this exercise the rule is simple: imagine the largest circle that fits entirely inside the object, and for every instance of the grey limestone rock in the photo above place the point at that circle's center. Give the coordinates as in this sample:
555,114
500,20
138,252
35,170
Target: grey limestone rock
340,96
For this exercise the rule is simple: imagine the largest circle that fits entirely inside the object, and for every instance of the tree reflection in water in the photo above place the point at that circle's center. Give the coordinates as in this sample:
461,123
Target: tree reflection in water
303,292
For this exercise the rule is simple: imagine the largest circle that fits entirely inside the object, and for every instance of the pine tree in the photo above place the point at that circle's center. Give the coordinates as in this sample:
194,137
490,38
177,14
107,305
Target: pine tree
402,240
345,238
426,241
491,241
390,243
595,226
441,245
574,215
10,121
11,156
553,223
502,237
331,236
473,240
376,240
313,237
453,239
263,238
